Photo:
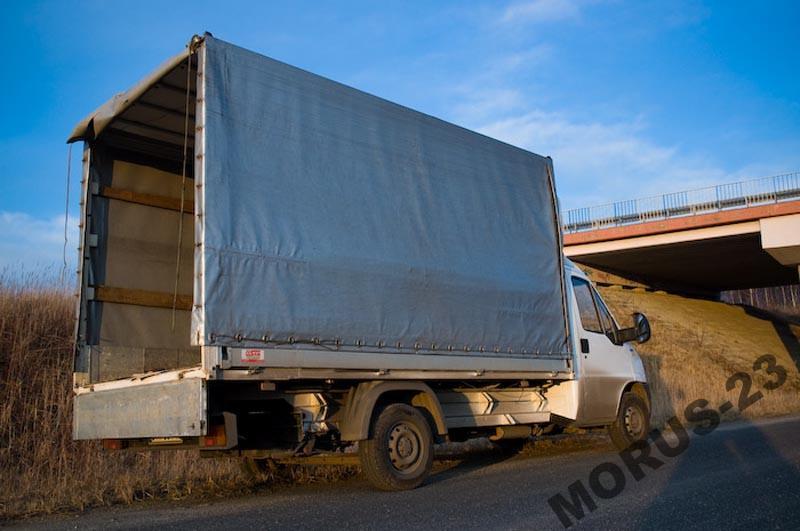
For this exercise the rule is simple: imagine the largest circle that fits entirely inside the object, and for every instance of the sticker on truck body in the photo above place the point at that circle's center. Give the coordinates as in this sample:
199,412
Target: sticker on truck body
252,355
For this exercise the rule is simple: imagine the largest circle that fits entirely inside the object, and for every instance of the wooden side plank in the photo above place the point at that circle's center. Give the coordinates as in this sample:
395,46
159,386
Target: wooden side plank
139,297
158,201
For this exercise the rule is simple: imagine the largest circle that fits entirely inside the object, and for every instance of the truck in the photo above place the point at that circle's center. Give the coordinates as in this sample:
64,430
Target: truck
279,267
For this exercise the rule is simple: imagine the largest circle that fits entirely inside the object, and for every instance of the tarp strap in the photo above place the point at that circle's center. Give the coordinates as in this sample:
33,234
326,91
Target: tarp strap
183,180
66,215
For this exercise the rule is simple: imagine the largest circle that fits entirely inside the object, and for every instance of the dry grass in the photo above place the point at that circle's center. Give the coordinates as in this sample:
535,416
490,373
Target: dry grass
696,345
41,468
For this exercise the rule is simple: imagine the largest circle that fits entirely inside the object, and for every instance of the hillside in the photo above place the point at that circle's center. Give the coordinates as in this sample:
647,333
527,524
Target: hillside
698,344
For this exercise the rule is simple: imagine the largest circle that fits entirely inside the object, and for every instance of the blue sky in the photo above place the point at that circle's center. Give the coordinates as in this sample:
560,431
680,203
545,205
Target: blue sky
629,98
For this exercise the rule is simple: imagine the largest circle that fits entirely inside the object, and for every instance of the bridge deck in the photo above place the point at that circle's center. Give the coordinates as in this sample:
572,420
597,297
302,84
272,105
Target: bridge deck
692,245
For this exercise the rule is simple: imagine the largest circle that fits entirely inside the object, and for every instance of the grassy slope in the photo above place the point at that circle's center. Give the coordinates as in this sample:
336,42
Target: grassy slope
41,468
696,345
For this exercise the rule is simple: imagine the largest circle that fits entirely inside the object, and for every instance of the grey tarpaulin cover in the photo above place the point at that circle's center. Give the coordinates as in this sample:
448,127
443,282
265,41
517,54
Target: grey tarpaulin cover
331,214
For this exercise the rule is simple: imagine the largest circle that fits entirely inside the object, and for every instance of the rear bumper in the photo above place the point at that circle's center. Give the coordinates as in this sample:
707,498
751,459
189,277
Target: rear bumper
171,404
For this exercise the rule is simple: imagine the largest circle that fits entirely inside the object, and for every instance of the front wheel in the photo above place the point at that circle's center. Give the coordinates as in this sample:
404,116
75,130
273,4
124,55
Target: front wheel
399,453
632,423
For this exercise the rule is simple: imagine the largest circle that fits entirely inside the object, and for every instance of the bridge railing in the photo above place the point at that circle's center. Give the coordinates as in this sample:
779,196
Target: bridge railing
687,203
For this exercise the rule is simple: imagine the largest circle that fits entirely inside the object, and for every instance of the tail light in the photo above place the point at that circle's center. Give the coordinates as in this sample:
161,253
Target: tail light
216,436
113,444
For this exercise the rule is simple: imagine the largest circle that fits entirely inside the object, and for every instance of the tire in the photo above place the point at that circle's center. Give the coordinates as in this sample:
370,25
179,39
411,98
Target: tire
399,453
632,423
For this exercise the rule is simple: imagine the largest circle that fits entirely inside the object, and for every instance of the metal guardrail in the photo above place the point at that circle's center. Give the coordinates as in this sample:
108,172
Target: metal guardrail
687,203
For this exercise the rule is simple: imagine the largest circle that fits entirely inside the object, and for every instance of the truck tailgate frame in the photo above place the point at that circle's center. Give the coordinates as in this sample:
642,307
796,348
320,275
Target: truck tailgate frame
173,402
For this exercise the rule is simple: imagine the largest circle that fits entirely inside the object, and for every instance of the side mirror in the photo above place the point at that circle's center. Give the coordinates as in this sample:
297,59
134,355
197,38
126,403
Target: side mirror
642,327
639,332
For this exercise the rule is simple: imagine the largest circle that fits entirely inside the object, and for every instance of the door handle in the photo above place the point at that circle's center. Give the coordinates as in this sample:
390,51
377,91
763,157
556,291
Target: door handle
584,346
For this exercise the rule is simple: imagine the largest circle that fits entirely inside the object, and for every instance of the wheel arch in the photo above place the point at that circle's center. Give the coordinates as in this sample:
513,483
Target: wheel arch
366,398
640,389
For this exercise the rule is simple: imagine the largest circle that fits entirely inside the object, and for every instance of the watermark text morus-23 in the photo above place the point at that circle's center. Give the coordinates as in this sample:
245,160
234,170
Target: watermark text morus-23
608,479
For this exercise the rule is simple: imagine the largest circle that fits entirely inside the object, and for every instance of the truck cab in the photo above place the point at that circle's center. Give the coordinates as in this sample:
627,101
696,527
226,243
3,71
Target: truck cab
613,384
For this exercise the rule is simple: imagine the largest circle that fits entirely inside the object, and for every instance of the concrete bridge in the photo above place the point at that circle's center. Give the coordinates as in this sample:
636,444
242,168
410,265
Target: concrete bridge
730,236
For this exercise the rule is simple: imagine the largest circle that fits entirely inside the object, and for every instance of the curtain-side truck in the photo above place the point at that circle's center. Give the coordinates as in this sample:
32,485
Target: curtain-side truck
274,265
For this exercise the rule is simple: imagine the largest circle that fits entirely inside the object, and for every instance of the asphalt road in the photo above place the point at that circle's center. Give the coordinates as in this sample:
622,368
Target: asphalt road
740,476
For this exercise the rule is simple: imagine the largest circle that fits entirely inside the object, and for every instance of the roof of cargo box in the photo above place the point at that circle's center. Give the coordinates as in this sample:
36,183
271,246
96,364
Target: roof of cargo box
155,107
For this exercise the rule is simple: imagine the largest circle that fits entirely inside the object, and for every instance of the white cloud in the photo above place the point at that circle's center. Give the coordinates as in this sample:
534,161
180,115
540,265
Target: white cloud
481,105
599,162
595,161
489,93
31,244
540,11
534,56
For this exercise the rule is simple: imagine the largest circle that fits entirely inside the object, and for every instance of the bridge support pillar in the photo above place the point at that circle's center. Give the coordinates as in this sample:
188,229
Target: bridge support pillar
780,237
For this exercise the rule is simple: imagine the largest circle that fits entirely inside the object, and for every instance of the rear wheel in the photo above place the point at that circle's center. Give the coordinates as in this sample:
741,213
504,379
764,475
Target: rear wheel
399,453
632,423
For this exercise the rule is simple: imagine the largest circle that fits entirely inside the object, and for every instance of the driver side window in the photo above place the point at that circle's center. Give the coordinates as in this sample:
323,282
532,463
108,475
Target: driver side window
586,307
605,316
